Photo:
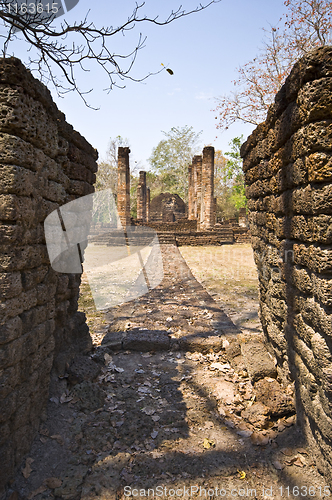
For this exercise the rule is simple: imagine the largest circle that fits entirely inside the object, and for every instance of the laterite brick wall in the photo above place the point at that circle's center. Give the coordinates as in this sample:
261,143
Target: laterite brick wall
44,164
288,173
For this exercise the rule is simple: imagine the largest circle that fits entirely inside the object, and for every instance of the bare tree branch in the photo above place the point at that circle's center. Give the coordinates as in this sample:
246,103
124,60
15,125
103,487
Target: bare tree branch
65,48
307,25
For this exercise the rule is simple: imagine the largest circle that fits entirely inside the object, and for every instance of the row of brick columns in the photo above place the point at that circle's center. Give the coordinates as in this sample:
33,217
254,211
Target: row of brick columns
143,192
201,201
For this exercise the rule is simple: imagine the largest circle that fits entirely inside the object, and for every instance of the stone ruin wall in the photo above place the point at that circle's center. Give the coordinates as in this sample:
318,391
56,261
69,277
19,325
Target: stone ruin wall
288,173
44,164
201,201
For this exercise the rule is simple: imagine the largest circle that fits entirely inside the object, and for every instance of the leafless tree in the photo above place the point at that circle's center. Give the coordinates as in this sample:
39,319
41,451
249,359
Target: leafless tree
59,49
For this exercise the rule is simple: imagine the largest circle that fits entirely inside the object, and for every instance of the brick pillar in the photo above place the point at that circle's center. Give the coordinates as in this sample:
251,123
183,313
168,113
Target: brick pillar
207,208
242,217
191,188
141,197
197,180
123,203
147,204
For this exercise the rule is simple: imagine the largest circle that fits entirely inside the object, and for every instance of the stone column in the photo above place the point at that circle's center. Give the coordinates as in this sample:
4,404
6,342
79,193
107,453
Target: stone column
197,180
141,197
242,217
207,208
147,204
123,199
191,188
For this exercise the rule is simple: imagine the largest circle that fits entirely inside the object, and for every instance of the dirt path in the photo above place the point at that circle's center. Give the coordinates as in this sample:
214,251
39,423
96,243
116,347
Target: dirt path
183,421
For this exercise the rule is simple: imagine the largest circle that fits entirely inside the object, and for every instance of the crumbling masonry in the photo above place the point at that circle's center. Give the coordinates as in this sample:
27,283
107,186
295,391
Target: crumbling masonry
44,164
287,165
123,196
201,201
142,198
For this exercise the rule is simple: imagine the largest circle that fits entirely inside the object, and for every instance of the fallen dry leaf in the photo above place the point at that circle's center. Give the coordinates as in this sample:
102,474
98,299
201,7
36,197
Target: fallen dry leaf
53,482
58,439
44,432
208,443
64,398
107,358
242,474
148,411
302,451
290,420
43,439
244,433
27,469
33,494
220,366
281,426
287,451
298,462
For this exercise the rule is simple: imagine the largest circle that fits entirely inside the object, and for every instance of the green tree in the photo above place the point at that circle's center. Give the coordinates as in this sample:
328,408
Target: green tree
229,181
171,157
107,175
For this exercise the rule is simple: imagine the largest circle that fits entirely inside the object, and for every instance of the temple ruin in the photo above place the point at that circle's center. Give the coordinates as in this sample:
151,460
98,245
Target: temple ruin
177,222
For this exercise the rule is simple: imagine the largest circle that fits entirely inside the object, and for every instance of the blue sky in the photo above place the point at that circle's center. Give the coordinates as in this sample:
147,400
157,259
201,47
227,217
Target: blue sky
202,49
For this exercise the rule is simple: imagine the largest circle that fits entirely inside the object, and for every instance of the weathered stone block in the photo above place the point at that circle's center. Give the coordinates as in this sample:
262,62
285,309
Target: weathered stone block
9,379
31,278
322,287
321,228
10,285
304,331
146,341
322,200
8,407
307,356
321,350
204,344
302,279
302,200
274,396
45,293
319,167
257,359
300,228
10,330
314,100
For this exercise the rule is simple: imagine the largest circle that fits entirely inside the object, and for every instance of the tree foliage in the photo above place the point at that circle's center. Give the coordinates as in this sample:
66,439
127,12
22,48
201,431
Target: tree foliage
306,25
170,160
60,49
229,181
107,175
